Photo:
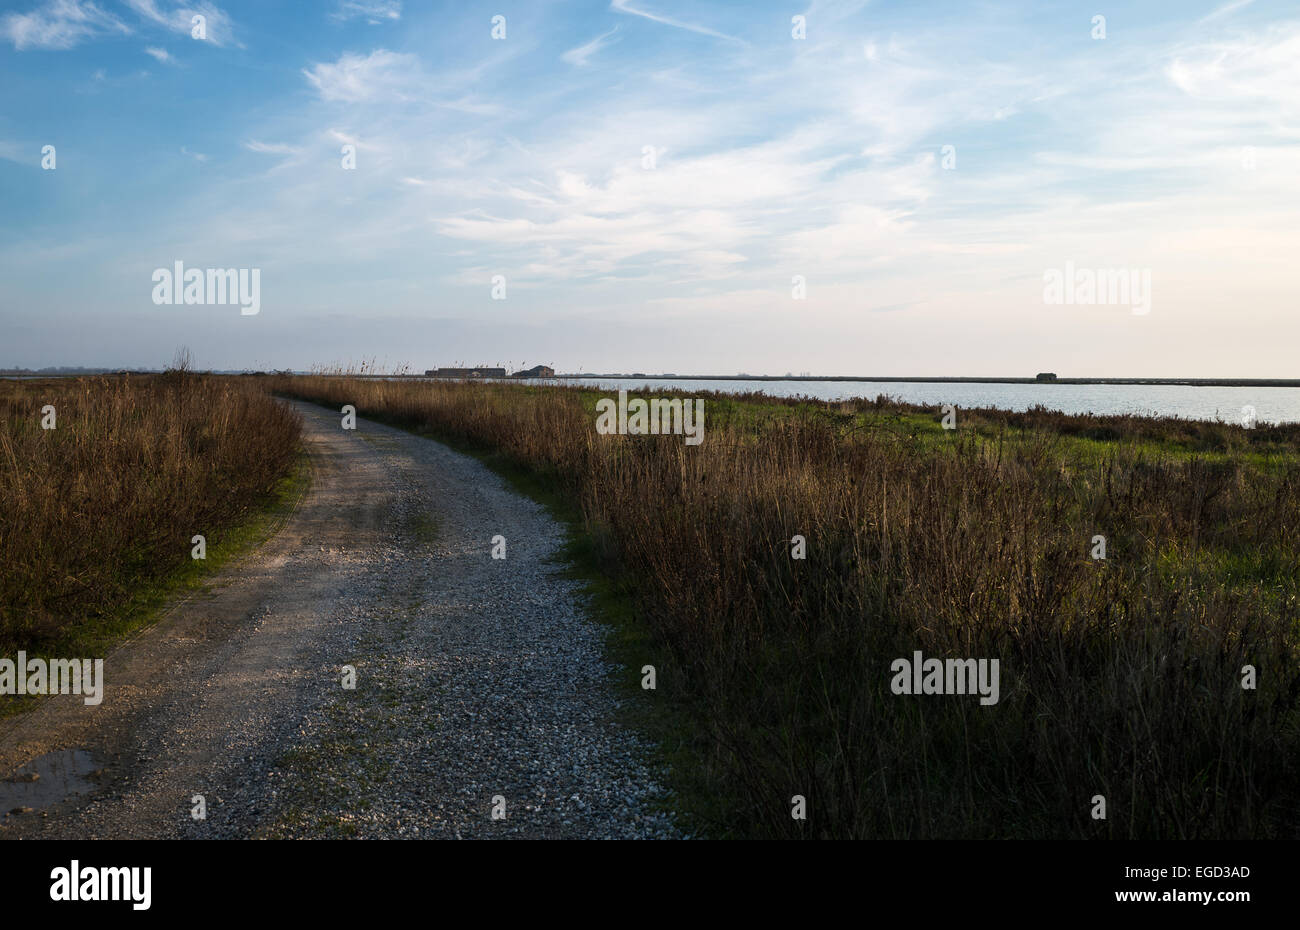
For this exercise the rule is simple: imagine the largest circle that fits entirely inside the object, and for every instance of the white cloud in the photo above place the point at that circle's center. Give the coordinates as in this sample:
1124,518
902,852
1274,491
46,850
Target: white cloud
373,11
11,151
161,54
823,162
347,138
269,148
178,16
354,79
623,6
579,55
1226,10
59,24
1264,71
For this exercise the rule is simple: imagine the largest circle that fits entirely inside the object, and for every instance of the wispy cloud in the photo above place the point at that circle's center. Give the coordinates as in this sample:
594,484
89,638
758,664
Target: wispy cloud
384,76
178,16
59,24
579,55
272,148
373,11
623,6
11,151
1226,10
161,54
1263,69
197,156
355,79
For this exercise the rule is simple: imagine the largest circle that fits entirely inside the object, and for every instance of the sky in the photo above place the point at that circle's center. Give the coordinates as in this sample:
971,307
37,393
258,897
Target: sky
856,188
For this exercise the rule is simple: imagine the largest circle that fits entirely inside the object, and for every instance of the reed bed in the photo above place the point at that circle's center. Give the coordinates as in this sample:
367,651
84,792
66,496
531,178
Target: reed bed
104,506
1120,678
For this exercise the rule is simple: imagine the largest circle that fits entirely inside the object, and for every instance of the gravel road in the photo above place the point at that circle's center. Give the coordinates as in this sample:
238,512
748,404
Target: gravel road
480,684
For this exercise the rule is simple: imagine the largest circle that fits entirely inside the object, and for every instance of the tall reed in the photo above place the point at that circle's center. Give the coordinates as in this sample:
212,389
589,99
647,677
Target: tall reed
1120,678
106,503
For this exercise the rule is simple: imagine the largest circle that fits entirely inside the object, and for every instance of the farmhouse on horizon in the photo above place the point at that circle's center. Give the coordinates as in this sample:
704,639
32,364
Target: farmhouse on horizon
537,371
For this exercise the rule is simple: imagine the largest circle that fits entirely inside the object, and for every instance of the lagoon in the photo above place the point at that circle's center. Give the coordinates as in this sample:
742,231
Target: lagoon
1271,404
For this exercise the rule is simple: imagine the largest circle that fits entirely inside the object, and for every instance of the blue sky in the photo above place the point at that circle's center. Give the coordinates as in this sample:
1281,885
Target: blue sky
1171,145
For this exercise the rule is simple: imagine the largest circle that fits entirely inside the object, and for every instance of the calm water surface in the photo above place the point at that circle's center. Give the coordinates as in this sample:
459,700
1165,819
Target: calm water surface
1272,404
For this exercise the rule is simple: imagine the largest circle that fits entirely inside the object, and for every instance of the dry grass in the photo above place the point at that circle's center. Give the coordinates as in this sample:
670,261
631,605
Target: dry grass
105,505
1119,678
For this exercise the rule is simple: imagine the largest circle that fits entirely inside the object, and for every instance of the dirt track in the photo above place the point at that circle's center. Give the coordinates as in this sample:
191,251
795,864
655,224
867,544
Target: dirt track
477,678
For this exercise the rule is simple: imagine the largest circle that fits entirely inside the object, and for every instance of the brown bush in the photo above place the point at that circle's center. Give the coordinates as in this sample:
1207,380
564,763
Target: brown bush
108,501
1118,678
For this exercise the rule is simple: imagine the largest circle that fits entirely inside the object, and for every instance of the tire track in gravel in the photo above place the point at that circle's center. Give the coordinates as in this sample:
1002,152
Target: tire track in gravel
477,678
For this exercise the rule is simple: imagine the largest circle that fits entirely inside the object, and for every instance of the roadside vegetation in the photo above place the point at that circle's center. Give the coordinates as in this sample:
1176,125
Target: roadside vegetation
97,515
1120,677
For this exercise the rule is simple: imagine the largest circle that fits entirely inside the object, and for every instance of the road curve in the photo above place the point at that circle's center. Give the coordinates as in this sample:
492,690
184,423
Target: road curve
481,688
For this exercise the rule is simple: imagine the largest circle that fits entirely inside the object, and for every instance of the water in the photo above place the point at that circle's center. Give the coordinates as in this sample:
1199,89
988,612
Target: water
47,780
1272,404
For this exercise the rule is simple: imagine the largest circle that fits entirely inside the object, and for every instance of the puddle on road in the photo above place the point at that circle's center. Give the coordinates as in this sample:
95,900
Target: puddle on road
58,776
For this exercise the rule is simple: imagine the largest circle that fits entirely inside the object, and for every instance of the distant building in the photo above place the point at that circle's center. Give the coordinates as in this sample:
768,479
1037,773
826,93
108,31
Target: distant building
465,373
1046,376
537,371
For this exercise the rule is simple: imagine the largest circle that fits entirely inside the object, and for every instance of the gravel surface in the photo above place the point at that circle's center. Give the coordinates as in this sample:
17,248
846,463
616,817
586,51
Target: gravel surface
480,683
